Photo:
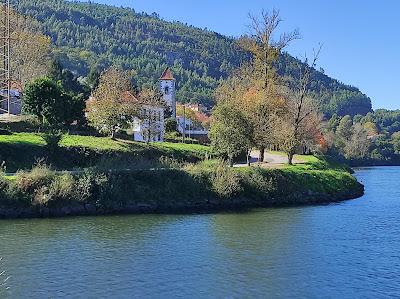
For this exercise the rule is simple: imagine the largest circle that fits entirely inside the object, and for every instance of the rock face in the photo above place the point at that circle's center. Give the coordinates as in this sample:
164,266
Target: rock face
307,197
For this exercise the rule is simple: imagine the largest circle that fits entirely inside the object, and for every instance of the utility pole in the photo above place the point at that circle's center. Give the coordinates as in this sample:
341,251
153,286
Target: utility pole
184,124
5,56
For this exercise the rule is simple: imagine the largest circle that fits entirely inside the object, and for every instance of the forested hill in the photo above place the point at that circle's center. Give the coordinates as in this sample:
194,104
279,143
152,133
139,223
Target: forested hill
89,35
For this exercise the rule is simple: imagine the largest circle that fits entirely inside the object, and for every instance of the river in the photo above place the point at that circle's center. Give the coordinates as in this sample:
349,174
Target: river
345,250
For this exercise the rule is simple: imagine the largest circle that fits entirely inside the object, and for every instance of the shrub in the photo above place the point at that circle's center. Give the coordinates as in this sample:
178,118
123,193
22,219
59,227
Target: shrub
3,189
170,125
260,181
92,187
225,181
28,182
168,162
52,139
176,137
62,188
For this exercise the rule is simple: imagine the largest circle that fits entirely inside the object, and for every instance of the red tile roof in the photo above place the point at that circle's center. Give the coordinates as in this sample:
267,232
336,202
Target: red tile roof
167,75
127,96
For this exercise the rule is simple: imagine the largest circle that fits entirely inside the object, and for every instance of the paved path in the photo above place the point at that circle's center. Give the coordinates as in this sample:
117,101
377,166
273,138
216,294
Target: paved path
271,160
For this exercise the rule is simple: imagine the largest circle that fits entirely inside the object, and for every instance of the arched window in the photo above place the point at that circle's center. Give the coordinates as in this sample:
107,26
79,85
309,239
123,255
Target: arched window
166,90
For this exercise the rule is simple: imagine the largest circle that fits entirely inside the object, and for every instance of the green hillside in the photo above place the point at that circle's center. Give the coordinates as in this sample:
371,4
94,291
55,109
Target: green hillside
88,35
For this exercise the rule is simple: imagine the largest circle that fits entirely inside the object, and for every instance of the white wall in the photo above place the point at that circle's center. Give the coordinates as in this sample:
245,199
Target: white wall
170,96
140,126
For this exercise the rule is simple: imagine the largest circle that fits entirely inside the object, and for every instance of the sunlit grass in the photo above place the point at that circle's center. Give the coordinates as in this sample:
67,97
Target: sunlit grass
22,138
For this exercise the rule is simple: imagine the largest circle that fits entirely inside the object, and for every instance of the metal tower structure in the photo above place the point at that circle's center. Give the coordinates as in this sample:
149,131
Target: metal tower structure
5,56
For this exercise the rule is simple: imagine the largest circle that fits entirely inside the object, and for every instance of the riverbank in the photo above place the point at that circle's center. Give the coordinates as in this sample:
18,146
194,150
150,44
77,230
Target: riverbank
208,186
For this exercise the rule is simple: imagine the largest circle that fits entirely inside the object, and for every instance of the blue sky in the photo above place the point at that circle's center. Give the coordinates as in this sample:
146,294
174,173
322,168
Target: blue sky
361,38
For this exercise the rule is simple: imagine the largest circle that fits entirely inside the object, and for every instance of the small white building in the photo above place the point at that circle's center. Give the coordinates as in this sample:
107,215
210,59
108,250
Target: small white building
187,128
149,126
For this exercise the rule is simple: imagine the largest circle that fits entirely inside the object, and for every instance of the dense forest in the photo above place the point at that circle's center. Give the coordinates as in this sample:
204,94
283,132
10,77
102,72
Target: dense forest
373,139
90,36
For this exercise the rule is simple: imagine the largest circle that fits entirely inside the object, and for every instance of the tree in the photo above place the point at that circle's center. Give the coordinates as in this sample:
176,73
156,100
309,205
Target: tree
30,49
265,50
301,123
92,80
188,113
81,46
67,80
344,129
396,142
230,132
333,122
107,110
73,87
48,101
357,147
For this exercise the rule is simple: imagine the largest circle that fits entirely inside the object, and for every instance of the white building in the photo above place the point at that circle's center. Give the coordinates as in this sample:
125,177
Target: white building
187,128
149,127
168,90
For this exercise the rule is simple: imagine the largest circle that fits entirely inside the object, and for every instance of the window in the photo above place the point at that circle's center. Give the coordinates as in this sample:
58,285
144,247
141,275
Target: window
166,90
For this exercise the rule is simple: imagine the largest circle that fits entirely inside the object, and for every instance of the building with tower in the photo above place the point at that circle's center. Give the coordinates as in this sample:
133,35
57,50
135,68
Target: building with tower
168,90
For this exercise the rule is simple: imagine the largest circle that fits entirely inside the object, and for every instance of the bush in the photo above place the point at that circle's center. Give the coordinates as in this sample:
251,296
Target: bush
62,188
176,137
258,180
168,162
3,189
52,139
92,187
225,181
29,182
170,125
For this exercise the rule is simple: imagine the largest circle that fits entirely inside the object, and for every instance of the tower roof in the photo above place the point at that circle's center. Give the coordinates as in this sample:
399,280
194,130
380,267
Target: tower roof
167,75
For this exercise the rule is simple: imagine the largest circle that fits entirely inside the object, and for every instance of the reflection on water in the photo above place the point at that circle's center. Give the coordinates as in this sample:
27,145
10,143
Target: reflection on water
343,250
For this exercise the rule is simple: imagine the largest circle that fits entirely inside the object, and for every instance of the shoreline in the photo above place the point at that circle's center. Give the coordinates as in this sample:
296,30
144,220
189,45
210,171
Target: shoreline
205,187
205,206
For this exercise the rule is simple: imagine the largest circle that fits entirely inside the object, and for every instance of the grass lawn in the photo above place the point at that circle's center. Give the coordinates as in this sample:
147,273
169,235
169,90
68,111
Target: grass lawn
22,150
22,138
102,143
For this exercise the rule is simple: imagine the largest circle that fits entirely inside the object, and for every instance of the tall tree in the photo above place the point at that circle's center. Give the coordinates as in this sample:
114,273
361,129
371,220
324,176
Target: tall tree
265,50
107,110
30,49
302,122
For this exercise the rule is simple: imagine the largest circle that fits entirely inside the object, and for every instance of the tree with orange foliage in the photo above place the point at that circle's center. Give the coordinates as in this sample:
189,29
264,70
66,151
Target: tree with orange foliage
107,111
265,50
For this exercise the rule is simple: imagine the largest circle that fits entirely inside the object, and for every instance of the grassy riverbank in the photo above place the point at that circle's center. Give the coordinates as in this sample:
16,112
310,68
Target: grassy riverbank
205,186
23,150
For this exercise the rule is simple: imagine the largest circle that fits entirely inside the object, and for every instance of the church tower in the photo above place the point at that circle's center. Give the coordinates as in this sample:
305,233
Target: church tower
168,90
